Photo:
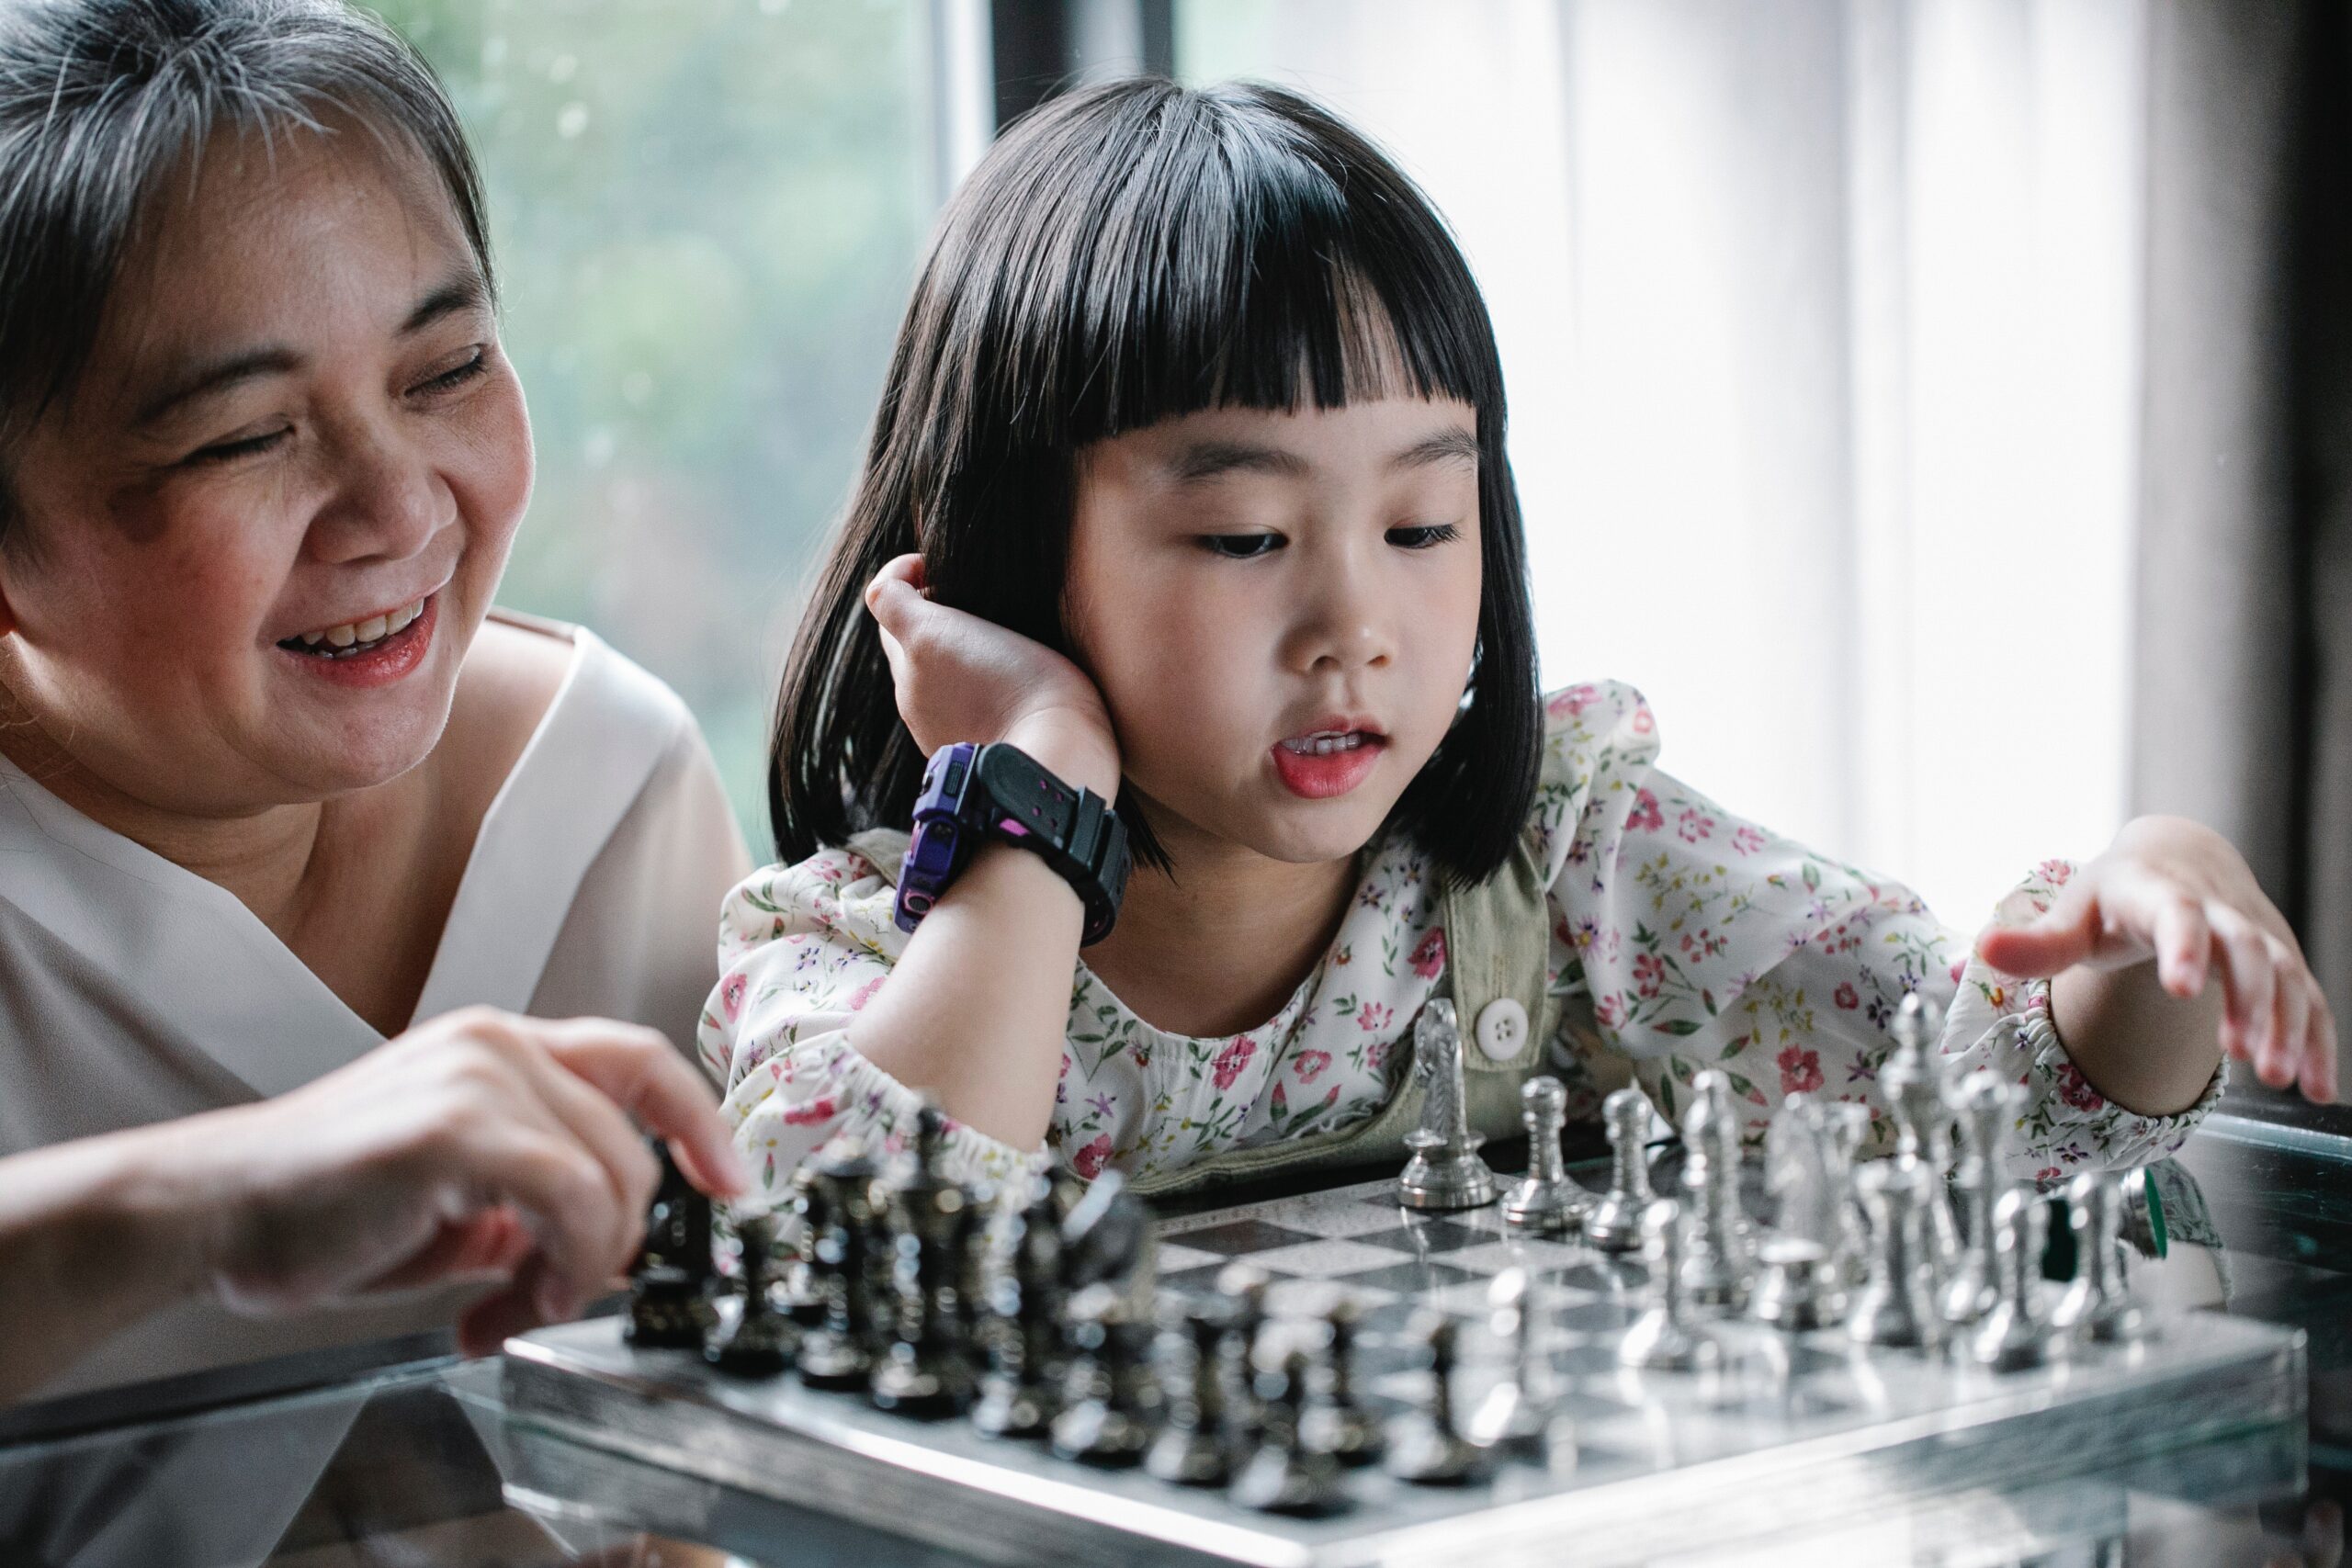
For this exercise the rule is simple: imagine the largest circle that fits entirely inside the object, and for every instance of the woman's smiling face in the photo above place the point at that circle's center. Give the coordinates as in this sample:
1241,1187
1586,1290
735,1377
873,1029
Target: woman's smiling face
1280,611
248,555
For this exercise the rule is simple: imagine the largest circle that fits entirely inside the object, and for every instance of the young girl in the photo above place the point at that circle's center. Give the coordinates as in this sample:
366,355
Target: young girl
1189,484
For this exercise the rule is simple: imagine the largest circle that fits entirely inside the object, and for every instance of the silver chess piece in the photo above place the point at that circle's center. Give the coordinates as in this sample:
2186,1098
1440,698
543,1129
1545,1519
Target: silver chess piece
1548,1201
1986,1105
2097,1306
1849,1127
2013,1337
1516,1415
1896,1305
1715,1235
1614,1224
1913,1082
1662,1339
1446,1170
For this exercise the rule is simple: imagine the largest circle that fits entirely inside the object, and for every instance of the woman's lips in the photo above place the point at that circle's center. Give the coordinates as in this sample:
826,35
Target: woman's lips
387,661
1325,776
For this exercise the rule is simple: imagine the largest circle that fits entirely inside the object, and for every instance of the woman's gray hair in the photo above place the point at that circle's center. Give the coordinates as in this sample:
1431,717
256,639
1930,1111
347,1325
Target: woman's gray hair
101,100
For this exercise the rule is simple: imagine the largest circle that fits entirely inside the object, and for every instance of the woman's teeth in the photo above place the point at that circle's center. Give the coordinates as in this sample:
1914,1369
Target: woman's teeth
356,636
1323,745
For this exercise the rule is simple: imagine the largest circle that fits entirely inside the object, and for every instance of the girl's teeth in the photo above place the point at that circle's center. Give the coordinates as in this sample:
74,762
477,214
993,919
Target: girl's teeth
1324,745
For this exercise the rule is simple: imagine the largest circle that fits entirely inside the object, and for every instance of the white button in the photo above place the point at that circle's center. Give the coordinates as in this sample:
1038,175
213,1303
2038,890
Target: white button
1502,1030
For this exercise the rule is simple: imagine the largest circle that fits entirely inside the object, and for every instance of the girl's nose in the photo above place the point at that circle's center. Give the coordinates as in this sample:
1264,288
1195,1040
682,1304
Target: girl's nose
386,502
1345,623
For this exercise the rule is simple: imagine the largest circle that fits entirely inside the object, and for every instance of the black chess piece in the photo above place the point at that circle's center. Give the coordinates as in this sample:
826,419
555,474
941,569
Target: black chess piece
759,1342
669,1296
1021,1392
1428,1448
927,1370
840,1351
1335,1420
1285,1474
1110,1398
1243,1286
804,1301
1191,1448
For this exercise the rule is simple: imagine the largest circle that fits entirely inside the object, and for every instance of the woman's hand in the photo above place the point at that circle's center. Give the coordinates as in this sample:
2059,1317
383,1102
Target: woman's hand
961,677
2178,893
479,1147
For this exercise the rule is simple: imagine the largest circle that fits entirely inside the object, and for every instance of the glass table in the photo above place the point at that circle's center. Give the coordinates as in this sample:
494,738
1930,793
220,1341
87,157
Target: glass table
404,1455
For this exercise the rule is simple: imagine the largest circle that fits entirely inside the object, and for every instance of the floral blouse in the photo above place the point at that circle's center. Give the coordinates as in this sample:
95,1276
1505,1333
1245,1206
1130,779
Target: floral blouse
1682,938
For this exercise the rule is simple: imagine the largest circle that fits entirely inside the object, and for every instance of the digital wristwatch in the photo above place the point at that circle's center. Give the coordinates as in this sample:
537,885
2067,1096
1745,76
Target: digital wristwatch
975,793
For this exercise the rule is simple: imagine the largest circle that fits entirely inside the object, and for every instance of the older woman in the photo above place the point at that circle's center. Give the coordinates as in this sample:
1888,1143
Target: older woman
276,781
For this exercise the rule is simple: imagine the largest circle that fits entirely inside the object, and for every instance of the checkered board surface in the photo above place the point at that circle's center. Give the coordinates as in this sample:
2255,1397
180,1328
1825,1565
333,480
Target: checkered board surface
1799,1429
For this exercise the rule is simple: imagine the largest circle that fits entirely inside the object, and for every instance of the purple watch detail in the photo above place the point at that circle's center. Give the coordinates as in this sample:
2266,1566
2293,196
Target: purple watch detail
973,792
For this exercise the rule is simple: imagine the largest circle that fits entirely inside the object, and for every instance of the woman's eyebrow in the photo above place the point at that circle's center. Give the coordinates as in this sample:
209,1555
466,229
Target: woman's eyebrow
1446,446
459,294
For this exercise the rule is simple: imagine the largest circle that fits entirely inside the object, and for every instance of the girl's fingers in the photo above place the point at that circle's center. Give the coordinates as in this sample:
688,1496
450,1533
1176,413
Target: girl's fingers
2183,945
2064,935
2292,1029
2248,987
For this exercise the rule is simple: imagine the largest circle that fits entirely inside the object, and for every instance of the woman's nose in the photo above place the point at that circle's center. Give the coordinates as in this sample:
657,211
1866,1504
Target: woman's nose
387,500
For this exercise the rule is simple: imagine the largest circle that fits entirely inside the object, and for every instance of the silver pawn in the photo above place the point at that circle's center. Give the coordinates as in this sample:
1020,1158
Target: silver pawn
1895,1306
1849,1128
1548,1201
2012,1337
1660,1339
1446,1171
1716,1244
2097,1306
1912,1082
1515,1415
1614,1224
1986,1105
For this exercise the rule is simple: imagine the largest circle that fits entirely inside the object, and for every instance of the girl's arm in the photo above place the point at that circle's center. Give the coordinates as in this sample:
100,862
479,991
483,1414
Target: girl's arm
2130,943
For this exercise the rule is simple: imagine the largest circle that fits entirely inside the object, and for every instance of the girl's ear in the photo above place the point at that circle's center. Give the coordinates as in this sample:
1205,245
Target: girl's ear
8,615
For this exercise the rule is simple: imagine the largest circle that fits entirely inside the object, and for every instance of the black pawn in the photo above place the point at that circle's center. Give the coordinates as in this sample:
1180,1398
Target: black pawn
758,1343
804,1301
1244,1285
669,1293
1285,1474
840,1351
1191,1449
926,1372
1109,1398
1020,1394
1428,1449
1335,1420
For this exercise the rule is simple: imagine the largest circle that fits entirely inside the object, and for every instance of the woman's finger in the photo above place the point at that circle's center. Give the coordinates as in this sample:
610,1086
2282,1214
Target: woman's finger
513,1308
2247,985
563,1194
485,1245
640,1072
593,1117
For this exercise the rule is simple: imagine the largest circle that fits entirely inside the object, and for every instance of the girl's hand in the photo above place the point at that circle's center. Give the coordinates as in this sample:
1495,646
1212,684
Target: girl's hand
961,677
2179,893
479,1147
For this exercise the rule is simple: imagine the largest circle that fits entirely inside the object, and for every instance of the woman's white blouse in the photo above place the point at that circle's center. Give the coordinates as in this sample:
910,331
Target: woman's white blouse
134,991
1682,938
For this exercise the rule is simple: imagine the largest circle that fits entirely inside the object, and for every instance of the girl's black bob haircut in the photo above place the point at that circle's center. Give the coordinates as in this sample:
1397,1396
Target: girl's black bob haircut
1123,255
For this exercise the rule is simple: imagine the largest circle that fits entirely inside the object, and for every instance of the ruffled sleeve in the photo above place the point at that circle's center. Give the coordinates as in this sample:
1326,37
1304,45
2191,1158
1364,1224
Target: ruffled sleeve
1705,941
802,949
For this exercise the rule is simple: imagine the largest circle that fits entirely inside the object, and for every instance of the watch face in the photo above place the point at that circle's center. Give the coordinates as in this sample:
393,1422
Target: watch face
932,854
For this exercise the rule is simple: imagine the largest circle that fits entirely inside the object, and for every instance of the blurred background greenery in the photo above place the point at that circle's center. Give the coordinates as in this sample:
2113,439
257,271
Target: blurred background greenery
706,216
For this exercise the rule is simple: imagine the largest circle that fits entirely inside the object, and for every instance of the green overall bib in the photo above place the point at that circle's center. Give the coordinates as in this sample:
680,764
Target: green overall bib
1498,935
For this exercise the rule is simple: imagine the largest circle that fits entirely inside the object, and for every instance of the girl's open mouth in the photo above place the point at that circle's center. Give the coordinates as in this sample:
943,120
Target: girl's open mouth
372,652
1327,763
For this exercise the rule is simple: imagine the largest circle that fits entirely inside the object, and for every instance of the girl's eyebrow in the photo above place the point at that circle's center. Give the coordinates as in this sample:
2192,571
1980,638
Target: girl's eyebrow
1446,446
1212,459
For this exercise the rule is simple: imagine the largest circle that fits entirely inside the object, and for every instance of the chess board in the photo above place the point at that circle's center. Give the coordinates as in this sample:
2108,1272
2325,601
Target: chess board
1800,1430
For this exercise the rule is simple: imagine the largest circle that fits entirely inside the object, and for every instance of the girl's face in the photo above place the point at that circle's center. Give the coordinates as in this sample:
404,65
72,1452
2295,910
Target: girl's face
249,557
1280,610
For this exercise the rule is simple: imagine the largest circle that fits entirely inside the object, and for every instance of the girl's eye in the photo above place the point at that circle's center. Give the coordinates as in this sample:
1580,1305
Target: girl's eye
1240,546
230,451
456,376
1422,539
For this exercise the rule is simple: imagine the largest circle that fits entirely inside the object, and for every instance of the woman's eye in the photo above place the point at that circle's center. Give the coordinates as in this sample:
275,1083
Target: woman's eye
1422,539
1240,546
230,451
456,376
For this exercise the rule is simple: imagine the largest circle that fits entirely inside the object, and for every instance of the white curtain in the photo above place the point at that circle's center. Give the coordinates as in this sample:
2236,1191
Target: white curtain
1821,322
